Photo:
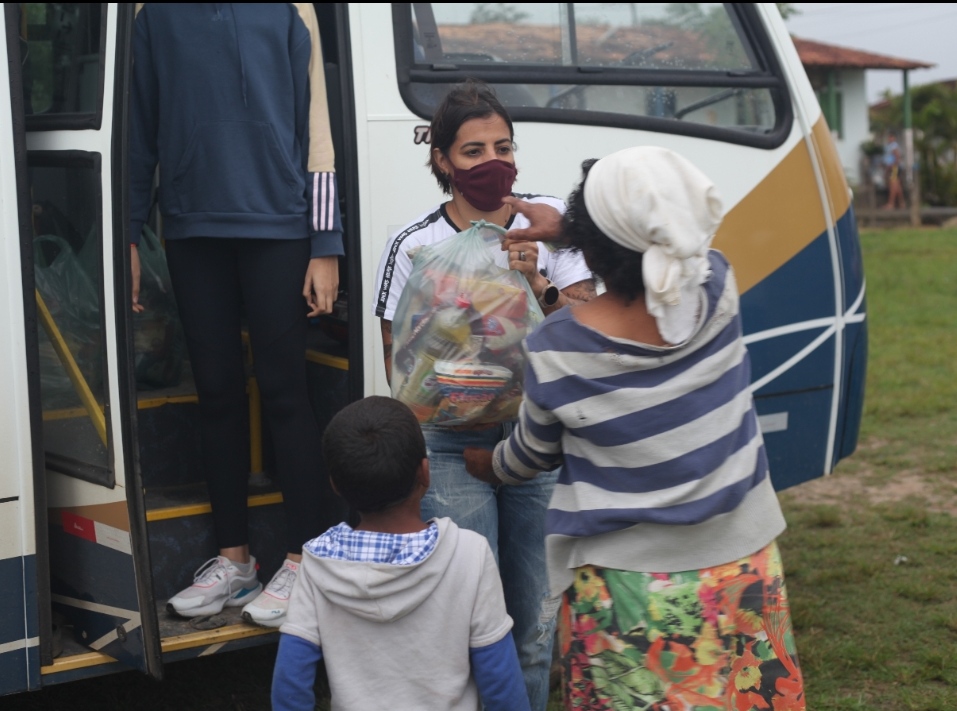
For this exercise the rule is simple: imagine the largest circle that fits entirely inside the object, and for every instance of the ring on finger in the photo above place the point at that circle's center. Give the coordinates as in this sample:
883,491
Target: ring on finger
521,256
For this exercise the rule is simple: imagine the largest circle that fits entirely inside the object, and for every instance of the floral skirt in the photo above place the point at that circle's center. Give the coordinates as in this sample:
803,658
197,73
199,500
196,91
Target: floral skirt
716,639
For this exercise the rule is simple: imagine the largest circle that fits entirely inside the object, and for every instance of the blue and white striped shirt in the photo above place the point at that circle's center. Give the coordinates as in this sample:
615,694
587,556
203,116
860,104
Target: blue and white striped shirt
663,465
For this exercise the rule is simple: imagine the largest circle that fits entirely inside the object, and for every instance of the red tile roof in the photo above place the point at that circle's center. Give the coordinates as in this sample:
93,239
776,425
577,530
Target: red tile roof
667,47
818,54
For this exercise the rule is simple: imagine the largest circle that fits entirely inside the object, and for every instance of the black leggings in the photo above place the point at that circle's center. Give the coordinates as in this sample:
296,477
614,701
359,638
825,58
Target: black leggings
215,281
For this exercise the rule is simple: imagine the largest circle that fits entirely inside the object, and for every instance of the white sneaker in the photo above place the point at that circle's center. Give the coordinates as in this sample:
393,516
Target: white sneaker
216,584
269,609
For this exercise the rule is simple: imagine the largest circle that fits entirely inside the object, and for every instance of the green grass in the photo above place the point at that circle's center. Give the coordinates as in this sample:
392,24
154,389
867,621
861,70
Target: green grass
874,631
874,585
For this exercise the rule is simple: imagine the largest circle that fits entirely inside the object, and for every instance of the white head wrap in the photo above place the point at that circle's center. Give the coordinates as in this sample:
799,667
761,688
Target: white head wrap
654,201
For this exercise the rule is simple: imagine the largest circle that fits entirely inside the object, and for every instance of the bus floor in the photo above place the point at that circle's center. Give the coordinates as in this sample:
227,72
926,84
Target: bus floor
181,638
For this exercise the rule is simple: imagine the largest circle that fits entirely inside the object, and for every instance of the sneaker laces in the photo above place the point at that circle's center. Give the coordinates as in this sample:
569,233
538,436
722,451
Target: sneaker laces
281,584
212,569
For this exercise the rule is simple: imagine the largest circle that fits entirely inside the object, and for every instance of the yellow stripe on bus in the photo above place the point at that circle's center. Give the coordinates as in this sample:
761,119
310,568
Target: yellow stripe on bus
200,509
838,192
773,222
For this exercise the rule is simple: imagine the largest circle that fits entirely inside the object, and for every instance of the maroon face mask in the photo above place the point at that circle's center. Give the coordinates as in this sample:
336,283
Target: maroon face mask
486,184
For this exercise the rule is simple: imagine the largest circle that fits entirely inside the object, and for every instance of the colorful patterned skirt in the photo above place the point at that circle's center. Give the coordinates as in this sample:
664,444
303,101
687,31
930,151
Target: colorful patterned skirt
717,639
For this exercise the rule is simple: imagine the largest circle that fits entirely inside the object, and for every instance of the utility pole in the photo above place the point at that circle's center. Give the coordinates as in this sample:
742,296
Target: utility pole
913,180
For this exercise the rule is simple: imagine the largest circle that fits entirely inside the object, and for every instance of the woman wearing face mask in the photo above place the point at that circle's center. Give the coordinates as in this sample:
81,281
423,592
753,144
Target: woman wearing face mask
472,159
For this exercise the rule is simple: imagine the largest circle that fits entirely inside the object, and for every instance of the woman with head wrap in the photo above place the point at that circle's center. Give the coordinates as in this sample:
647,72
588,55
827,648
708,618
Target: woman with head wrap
661,529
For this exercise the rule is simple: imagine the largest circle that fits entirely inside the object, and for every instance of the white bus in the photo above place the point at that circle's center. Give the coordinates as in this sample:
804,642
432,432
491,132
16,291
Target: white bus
101,498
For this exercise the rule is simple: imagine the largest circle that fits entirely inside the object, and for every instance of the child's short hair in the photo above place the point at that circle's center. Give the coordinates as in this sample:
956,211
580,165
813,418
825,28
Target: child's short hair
373,449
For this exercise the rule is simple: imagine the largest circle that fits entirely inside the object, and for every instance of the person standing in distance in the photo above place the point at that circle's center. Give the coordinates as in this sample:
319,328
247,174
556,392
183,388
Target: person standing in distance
229,101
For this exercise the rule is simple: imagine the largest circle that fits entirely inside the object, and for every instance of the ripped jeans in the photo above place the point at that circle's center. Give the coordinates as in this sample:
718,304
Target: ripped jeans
512,518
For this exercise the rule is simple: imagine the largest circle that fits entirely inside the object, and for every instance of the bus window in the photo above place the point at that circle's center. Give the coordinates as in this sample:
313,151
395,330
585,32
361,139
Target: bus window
690,68
62,45
65,190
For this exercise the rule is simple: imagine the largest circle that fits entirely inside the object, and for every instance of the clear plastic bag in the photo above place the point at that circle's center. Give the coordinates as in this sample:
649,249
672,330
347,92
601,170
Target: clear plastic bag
458,330
158,341
159,345
71,297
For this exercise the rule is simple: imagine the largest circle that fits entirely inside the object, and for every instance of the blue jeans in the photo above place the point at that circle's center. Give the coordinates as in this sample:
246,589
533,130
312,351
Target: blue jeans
512,518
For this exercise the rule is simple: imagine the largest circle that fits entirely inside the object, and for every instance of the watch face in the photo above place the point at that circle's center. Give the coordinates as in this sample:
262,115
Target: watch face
550,295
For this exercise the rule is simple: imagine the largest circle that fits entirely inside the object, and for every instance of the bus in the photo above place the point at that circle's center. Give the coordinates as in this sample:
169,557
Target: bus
102,502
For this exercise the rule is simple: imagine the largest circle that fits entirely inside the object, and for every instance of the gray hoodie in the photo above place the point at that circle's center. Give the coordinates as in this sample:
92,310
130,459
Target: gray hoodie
398,636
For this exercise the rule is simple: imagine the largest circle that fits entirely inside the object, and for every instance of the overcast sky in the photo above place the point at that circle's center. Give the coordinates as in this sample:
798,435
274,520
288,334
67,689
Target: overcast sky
922,31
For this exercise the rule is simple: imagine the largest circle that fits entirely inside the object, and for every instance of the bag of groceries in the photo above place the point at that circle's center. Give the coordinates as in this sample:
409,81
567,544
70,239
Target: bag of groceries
457,354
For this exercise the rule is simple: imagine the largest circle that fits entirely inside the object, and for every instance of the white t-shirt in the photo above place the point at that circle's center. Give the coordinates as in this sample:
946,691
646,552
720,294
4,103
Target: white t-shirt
564,267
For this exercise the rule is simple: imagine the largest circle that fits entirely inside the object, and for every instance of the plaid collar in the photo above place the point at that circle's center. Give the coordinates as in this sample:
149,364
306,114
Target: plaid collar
343,543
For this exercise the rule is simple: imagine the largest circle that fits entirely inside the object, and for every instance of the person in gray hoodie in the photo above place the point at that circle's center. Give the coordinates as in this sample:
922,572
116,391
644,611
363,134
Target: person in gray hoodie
406,614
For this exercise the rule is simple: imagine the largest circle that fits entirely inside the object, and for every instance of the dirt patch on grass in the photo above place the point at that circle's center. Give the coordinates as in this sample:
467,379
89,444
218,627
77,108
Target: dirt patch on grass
936,492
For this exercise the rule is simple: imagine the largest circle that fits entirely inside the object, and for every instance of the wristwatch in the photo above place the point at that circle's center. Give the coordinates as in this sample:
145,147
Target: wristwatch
549,295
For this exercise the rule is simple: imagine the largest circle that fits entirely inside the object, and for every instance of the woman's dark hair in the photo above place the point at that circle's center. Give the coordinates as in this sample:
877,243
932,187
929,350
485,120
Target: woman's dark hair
373,449
617,266
469,100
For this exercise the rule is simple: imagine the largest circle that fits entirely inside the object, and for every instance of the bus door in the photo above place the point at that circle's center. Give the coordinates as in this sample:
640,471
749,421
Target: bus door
21,482
71,77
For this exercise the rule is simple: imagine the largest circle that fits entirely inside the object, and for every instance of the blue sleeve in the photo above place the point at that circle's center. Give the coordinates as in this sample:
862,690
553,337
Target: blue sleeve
144,126
294,675
535,444
498,676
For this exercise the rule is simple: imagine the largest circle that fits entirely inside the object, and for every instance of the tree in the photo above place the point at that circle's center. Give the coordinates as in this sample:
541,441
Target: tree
488,12
787,9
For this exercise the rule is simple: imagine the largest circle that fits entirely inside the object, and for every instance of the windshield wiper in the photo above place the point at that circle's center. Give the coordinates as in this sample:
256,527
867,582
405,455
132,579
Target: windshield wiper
707,101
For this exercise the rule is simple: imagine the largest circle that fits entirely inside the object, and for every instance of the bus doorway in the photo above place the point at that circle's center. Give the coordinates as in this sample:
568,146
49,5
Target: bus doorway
68,100
121,506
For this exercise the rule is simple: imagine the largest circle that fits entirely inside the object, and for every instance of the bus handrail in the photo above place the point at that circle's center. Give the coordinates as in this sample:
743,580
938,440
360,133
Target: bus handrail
80,385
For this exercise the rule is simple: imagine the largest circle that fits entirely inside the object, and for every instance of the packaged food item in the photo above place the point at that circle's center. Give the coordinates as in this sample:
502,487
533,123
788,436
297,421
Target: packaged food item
469,388
458,330
499,334
446,333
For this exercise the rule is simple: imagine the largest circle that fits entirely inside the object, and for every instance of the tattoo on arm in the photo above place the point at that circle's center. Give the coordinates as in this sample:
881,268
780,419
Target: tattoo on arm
386,327
580,293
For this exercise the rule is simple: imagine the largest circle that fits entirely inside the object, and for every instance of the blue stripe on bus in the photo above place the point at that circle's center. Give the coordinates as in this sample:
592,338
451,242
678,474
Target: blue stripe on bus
797,454
815,370
14,672
13,625
31,595
854,364
851,257
801,289
79,569
19,668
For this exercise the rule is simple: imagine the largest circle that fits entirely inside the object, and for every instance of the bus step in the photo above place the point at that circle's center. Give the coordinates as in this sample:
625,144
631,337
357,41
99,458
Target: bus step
181,535
180,639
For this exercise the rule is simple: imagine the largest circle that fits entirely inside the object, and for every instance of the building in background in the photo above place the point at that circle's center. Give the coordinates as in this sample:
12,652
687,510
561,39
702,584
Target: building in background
837,75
